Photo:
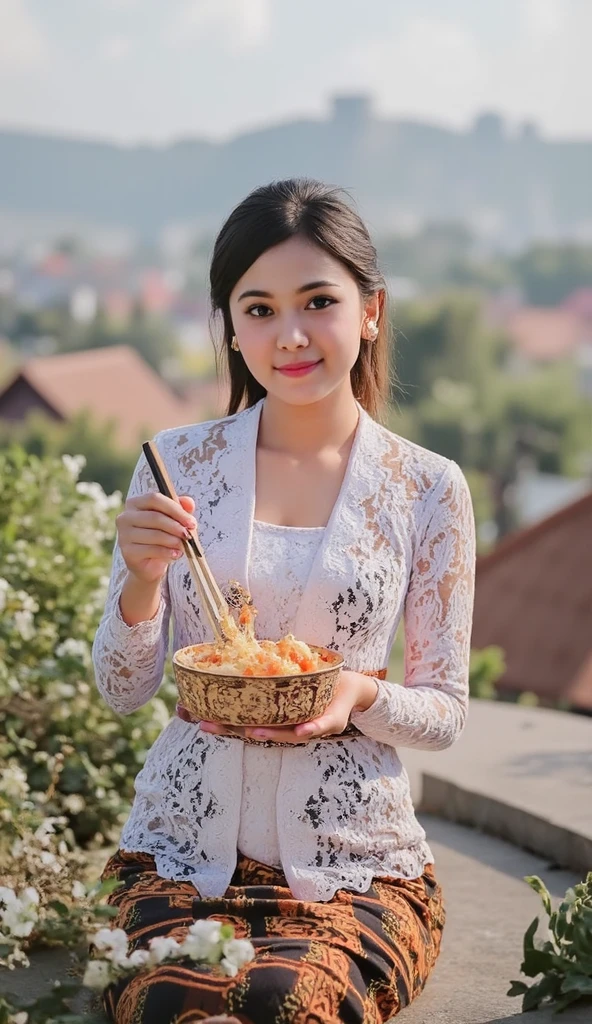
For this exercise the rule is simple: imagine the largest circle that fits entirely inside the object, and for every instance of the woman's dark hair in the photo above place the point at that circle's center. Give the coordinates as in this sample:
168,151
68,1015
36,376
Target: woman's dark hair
321,214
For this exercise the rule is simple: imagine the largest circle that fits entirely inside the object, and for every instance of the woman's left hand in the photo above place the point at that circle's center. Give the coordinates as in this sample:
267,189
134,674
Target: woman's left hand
353,692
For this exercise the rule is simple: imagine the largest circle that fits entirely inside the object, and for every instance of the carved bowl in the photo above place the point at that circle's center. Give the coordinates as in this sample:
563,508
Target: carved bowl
255,700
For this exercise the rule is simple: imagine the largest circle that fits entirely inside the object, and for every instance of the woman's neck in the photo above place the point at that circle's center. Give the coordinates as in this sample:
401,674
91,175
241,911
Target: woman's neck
302,430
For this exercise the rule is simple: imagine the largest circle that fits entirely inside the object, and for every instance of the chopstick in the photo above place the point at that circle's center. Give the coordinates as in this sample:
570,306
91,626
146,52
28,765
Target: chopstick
213,601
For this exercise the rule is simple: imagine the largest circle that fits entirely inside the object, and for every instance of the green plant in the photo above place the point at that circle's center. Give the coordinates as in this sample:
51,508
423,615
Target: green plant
486,667
56,535
564,959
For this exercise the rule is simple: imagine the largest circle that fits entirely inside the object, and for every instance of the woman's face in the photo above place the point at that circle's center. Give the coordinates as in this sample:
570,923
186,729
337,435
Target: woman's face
298,317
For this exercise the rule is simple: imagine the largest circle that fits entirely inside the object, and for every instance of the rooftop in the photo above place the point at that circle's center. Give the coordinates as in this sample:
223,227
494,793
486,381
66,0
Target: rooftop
534,599
113,384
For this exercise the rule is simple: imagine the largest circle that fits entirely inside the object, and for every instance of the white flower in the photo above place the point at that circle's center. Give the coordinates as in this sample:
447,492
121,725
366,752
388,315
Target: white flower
139,958
74,803
111,943
162,947
97,974
28,603
72,648
203,941
14,782
24,624
4,589
30,896
209,931
44,831
49,860
238,952
19,1018
7,896
74,464
78,890
103,502
20,914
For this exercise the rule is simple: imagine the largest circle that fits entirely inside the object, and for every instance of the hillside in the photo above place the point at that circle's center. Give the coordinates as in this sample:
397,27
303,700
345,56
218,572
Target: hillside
511,188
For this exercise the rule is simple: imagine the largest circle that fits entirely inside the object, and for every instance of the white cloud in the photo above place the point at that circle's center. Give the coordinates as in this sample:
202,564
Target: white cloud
121,5
429,67
115,48
23,46
437,68
244,23
543,19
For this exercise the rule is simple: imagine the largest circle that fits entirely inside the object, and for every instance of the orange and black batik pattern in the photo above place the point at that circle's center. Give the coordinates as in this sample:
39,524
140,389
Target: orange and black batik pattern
357,959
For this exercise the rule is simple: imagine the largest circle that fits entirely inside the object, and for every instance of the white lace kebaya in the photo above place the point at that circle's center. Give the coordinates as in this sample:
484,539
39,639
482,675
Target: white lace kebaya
400,542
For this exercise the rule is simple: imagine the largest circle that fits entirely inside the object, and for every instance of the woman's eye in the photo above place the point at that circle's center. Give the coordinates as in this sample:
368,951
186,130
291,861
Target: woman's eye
321,302
259,310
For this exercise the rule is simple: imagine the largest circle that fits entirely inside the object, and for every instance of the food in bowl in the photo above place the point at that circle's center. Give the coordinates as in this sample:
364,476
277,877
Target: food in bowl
244,655
245,681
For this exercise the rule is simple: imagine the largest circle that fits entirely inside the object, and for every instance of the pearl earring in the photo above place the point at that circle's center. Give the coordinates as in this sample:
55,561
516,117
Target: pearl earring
234,344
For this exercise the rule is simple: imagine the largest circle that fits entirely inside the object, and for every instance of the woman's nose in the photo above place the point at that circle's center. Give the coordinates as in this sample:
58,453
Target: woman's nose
292,337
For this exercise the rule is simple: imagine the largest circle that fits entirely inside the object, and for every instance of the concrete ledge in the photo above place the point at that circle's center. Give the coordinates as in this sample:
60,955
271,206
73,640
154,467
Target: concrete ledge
563,847
524,774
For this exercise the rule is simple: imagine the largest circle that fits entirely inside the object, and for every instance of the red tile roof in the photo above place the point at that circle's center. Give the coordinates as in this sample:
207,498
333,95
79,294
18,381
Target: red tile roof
534,599
112,383
545,334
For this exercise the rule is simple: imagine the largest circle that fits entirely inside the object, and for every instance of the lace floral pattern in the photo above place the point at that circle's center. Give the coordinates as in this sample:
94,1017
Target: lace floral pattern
400,541
280,562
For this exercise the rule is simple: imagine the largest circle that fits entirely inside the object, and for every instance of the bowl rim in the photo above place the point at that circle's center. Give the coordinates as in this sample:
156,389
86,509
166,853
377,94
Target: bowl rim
338,664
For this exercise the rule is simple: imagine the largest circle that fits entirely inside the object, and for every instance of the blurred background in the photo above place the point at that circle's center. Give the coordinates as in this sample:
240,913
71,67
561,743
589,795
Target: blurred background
463,132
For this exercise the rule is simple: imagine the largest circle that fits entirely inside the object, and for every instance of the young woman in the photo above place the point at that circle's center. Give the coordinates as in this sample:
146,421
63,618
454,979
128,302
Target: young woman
304,839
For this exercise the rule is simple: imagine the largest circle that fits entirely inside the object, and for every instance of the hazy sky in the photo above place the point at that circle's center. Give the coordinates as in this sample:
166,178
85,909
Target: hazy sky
155,70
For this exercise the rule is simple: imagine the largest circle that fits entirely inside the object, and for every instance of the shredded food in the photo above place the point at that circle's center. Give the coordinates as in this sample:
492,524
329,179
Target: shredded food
243,655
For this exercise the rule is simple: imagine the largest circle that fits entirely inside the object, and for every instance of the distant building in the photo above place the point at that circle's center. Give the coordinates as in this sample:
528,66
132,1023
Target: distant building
111,384
534,600
544,334
352,111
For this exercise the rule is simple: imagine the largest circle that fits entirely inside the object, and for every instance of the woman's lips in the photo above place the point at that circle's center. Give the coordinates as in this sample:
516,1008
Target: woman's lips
298,369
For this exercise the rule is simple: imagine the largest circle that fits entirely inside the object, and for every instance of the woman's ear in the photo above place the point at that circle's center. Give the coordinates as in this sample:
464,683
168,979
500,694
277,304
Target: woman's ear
373,307
372,313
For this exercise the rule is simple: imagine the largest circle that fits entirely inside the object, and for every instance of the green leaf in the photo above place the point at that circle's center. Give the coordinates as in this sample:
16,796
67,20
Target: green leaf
577,983
529,936
60,908
105,911
539,886
517,988
532,998
563,1003
536,962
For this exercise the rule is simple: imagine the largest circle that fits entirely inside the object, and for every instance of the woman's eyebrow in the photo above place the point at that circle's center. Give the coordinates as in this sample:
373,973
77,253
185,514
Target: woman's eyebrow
255,293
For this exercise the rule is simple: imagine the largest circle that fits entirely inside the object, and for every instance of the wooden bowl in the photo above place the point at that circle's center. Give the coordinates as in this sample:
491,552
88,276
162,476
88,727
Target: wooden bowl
255,700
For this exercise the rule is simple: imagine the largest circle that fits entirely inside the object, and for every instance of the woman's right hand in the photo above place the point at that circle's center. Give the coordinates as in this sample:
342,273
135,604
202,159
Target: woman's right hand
150,531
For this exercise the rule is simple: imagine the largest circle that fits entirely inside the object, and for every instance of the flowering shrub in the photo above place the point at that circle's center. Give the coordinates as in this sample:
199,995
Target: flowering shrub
43,902
56,536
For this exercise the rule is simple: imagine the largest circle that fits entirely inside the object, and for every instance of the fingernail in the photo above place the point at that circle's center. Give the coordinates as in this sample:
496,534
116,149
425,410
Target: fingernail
177,554
191,523
187,534
259,734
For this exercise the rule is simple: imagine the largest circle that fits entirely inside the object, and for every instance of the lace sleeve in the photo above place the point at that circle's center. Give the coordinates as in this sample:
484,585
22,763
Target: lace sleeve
129,660
430,710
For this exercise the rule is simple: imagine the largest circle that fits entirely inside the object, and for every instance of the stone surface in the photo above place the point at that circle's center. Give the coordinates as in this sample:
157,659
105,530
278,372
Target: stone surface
489,907
522,773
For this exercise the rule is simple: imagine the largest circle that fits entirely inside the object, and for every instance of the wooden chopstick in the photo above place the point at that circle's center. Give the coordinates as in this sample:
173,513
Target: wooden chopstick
211,596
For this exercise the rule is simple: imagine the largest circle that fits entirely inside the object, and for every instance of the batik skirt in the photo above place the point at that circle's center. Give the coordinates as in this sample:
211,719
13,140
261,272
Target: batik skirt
358,958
